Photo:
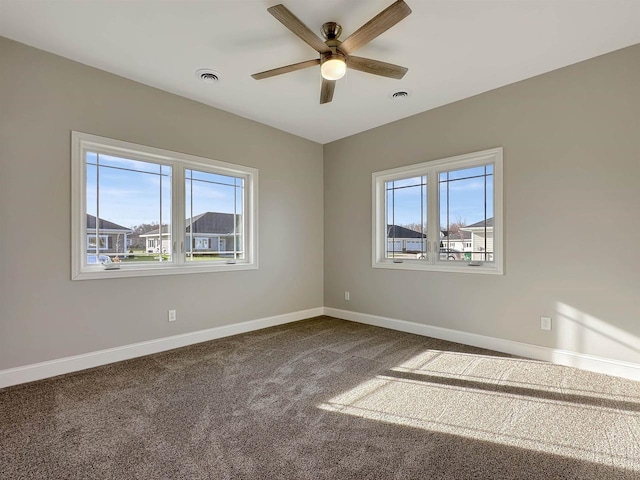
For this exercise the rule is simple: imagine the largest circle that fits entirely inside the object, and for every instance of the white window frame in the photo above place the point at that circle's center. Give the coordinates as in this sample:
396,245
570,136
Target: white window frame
106,241
432,169
81,143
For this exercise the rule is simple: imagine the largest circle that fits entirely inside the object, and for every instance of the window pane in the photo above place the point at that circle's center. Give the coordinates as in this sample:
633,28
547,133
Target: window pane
466,215
406,218
210,177
462,173
129,209
123,163
405,182
214,216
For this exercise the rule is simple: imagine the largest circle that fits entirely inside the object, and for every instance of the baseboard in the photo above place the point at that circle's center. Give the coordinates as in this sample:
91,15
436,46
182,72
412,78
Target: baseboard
38,371
562,357
52,368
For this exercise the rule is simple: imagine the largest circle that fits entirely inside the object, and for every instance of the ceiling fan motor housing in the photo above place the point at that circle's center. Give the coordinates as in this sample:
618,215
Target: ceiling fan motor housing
331,30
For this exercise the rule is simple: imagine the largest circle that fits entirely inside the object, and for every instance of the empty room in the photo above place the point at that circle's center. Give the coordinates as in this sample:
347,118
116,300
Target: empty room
348,239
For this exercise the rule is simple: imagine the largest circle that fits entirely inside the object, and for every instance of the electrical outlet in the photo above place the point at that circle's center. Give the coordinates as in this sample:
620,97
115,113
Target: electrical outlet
347,296
545,323
172,316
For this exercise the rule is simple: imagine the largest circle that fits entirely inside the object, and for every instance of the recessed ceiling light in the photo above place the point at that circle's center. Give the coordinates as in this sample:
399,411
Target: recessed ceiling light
400,95
208,75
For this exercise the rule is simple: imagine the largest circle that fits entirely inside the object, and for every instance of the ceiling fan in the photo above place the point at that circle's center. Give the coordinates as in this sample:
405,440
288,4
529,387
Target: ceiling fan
335,56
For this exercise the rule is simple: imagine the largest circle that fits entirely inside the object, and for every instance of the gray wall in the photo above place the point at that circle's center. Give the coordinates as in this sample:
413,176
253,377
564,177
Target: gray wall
43,314
571,142
572,203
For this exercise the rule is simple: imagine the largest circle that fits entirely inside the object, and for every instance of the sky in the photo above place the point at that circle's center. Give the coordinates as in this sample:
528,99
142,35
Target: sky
130,191
462,195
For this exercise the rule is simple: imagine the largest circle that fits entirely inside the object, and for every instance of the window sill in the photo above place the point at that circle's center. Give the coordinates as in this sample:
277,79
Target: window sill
428,267
96,273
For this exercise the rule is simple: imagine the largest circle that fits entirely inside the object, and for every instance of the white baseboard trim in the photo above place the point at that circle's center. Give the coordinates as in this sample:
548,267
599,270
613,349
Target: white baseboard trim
562,357
52,368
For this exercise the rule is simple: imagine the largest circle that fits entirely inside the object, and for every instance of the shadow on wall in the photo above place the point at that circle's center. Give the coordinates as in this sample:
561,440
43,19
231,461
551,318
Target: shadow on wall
580,332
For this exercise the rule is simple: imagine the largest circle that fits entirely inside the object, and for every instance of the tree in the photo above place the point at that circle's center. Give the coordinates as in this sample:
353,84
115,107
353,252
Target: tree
455,226
136,241
415,227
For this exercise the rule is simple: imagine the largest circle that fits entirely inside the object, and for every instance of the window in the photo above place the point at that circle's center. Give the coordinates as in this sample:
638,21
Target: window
444,215
157,212
204,190
91,242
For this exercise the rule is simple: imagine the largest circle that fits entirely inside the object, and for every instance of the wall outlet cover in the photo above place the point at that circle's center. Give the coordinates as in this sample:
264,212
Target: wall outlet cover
545,323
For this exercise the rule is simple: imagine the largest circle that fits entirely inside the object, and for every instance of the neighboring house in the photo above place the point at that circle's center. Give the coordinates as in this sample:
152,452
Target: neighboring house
155,243
111,237
466,244
404,240
481,239
456,244
212,232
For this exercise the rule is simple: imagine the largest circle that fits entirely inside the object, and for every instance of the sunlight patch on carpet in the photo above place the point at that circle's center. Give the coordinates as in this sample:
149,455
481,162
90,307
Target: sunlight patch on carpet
508,401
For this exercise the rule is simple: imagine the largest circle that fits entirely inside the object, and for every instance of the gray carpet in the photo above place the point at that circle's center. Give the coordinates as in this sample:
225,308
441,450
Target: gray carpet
323,399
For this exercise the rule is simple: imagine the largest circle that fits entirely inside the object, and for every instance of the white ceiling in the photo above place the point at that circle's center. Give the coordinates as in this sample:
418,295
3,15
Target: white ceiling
453,49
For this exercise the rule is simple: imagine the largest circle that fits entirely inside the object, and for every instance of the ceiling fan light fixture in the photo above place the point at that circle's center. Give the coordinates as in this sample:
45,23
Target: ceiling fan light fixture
333,67
335,54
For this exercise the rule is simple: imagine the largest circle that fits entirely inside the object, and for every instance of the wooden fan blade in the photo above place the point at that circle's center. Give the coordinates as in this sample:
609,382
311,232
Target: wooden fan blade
376,67
377,25
286,69
326,92
293,23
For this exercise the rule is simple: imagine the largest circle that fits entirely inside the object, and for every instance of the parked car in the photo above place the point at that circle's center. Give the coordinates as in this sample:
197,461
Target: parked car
102,259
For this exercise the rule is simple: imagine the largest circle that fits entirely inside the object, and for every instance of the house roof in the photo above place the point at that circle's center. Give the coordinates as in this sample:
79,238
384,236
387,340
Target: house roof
459,235
396,231
165,229
213,222
104,224
208,222
482,224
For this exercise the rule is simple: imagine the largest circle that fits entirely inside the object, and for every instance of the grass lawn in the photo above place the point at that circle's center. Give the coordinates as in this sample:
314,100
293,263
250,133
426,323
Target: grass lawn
142,256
